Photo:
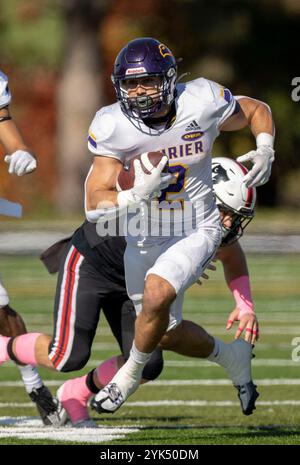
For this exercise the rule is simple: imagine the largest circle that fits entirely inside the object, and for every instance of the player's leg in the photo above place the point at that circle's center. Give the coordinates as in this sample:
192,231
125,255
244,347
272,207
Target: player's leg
34,348
94,293
11,325
180,265
76,315
121,316
154,366
75,393
192,340
152,298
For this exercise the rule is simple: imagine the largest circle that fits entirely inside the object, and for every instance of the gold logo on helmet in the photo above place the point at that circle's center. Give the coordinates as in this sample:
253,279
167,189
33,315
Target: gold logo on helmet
164,51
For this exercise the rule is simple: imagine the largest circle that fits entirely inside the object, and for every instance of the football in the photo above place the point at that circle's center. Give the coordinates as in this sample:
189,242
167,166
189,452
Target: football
148,161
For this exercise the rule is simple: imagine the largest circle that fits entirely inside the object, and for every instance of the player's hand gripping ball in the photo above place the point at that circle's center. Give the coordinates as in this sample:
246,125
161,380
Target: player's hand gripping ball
149,160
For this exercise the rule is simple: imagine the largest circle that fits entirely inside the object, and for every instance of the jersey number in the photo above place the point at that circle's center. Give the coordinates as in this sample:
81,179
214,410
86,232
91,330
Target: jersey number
180,172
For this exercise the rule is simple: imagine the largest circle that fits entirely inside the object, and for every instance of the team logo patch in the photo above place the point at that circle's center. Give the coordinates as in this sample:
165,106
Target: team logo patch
195,135
131,71
164,51
193,126
219,173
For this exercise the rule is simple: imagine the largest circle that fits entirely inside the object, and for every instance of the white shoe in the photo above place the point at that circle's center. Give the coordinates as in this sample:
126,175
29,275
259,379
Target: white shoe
108,400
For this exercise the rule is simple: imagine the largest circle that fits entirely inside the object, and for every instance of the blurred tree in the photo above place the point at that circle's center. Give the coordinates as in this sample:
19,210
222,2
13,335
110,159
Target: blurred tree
251,46
79,96
32,32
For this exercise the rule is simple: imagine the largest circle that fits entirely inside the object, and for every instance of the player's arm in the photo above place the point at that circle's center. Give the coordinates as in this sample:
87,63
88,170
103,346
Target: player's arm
102,199
19,159
257,115
9,133
101,183
237,277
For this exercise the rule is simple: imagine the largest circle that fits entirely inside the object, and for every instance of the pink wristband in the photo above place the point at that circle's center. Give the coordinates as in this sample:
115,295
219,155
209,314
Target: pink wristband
240,288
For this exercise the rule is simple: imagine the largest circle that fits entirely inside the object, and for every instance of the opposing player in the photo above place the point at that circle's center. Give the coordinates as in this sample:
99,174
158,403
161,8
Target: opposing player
182,120
20,162
236,204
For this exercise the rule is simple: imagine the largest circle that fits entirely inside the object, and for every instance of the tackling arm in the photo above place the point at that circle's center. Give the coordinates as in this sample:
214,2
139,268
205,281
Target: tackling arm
234,261
237,278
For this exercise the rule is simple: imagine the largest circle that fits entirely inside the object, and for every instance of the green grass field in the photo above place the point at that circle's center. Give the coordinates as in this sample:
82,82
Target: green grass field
197,405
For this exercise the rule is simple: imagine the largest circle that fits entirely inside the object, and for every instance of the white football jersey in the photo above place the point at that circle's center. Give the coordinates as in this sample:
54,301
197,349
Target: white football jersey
201,107
5,96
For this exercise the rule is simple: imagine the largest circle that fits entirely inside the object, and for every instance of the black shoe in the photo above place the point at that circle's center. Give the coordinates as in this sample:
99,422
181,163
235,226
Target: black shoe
247,394
49,407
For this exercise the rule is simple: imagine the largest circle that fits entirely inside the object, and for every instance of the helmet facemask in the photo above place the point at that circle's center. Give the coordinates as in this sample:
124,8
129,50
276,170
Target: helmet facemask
240,221
146,106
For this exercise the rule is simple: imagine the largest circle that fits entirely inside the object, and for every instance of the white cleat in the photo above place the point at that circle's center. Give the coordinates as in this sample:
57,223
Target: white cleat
239,371
108,400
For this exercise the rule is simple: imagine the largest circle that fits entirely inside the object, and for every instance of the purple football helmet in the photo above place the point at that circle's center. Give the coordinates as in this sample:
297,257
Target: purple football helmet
140,58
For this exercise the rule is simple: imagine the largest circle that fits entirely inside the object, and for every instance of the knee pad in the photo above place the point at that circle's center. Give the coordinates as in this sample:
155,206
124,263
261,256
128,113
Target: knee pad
154,367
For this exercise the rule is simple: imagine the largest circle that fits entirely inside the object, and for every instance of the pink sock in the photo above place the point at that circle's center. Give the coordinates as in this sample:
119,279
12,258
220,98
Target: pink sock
25,348
3,349
107,370
74,395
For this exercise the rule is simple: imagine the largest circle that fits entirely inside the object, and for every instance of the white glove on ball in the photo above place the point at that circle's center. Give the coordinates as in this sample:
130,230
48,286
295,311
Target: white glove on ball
146,186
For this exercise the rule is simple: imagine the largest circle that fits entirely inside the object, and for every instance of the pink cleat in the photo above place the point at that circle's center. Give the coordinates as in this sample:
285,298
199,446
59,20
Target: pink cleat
73,396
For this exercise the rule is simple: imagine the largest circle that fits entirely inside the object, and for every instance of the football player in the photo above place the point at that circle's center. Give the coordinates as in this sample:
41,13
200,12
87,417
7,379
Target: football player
236,205
101,283
154,112
20,161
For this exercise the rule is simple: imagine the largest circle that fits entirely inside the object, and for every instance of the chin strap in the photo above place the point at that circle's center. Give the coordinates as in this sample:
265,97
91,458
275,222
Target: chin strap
5,118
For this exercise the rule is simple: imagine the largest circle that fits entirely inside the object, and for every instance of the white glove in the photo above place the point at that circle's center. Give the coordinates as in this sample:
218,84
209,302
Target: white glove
20,162
262,159
146,186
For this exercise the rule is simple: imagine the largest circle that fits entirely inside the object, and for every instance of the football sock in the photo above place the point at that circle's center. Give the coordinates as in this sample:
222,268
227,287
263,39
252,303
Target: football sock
74,395
107,370
30,377
24,351
129,375
235,358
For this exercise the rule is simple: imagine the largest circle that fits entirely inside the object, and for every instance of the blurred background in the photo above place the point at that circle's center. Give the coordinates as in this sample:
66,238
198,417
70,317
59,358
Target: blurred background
59,54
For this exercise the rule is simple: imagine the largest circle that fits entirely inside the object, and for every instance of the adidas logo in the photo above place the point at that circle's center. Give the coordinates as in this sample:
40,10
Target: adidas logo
193,126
